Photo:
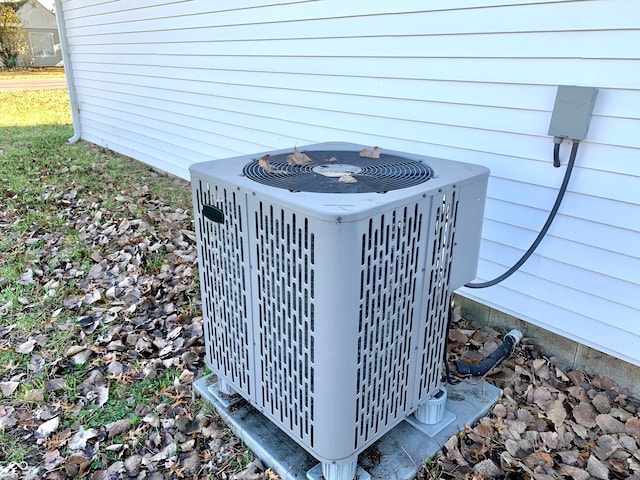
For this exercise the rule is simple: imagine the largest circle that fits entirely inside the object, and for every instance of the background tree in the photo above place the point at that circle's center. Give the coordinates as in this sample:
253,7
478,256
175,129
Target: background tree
13,39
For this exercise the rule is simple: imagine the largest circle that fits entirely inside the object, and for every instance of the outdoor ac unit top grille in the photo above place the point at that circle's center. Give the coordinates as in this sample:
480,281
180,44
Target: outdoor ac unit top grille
325,173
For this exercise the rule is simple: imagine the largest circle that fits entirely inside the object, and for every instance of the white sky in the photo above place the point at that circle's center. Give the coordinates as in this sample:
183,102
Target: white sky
47,4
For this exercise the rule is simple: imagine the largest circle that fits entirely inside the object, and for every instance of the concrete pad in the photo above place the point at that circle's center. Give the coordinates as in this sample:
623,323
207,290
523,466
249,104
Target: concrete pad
398,454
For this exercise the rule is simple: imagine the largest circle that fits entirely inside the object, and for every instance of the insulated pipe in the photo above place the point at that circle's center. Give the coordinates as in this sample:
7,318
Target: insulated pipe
477,370
66,60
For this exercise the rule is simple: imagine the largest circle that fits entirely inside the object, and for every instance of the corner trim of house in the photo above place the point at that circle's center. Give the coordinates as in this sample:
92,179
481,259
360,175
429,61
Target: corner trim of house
66,60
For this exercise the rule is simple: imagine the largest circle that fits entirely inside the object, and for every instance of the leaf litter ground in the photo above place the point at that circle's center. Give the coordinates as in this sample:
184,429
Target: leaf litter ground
101,339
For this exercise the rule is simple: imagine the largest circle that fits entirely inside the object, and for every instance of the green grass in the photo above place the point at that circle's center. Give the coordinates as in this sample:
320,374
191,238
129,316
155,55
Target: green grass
28,73
17,111
45,185
12,448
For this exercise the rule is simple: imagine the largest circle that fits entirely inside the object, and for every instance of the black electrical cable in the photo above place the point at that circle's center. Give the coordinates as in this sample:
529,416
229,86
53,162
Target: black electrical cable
543,232
556,151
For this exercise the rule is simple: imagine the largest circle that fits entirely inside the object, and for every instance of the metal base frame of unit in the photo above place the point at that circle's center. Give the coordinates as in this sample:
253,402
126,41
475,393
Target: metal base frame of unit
398,454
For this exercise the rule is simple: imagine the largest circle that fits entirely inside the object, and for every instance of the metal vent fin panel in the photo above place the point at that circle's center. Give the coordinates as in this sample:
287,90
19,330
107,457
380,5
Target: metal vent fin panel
285,286
222,254
389,172
433,338
389,269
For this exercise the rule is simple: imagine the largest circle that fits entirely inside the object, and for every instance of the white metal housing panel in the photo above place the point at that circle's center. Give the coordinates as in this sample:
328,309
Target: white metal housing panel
173,82
328,311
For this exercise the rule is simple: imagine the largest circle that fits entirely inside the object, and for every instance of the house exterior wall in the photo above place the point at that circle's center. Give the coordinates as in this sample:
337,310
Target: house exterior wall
171,83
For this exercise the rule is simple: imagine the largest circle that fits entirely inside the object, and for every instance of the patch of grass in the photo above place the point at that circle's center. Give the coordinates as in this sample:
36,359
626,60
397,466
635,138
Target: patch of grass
18,111
12,362
12,448
65,208
27,73
123,400
242,459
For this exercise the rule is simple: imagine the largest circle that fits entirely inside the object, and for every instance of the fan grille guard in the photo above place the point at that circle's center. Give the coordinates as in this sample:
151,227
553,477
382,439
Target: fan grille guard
324,173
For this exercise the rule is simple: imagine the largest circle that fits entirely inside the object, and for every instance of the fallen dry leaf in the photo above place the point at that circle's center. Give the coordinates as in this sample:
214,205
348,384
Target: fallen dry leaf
81,437
264,164
132,465
487,469
608,424
574,473
347,178
633,426
457,336
453,452
375,153
81,357
34,395
577,377
76,465
607,446
7,388
556,412
52,459
253,471
537,459
118,427
298,158
102,392
191,464
597,469
166,453
26,278
585,415
74,349
47,428
26,347
601,403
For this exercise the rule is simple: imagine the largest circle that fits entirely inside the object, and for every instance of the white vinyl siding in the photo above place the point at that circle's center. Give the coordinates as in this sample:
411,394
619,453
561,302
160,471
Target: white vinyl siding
176,82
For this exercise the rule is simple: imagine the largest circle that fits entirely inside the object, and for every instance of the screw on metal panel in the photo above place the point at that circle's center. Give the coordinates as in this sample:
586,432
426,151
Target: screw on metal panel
454,185
439,190
424,195
338,219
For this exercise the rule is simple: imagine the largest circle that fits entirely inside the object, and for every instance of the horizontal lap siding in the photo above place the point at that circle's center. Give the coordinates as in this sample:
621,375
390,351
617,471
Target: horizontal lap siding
174,82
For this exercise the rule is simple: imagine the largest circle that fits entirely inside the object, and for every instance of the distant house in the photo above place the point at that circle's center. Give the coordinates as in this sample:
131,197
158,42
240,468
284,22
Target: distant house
40,25
42,30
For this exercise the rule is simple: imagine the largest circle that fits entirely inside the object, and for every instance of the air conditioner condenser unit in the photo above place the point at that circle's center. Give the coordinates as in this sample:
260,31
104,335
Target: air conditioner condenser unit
326,277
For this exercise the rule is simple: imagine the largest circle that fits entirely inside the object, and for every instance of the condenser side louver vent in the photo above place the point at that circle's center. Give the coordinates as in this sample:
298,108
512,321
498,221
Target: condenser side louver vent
222,253
438,290
284,275
389,270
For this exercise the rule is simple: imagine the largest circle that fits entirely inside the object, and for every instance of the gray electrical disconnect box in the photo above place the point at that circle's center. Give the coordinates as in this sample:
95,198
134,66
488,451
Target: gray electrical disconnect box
572,112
